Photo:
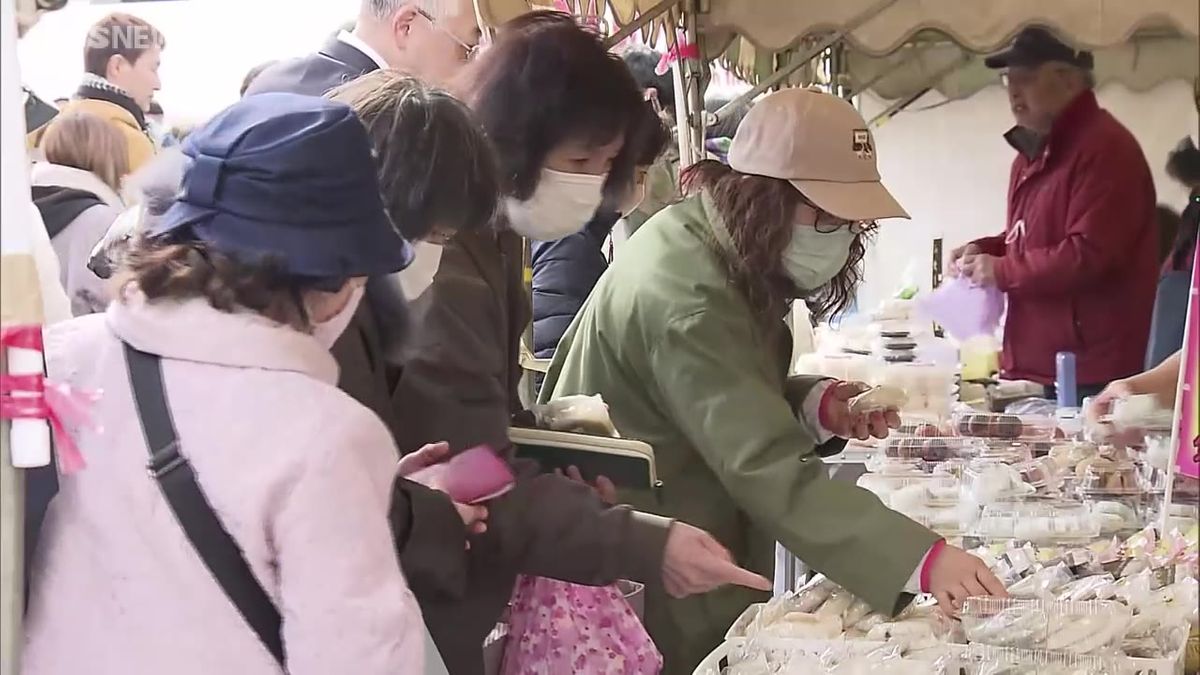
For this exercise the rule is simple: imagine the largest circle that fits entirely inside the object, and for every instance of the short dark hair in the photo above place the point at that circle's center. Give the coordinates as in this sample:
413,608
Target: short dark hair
155,108
436,166
1183,164
643,64
118,34
647,139
544,81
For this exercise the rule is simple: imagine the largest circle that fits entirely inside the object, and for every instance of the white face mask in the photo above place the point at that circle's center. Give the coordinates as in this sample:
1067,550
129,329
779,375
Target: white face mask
635,200
562,204
813,258
418,276
327,332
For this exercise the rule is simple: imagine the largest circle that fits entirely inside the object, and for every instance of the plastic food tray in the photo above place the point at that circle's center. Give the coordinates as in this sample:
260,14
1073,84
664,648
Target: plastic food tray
930,449
1039,522
1030,624
1004,426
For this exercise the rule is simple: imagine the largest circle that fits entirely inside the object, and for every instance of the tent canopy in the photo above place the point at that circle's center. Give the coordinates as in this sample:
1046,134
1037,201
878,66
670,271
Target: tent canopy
900,47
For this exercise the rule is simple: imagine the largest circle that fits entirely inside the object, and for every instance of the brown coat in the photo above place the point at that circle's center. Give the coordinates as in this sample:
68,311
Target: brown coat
460,385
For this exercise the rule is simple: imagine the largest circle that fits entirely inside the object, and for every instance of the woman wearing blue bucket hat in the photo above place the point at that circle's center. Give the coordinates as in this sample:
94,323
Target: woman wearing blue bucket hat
233,513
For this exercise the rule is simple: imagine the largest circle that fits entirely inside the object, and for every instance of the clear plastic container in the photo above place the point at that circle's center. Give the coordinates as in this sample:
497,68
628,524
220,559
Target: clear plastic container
948,521
929,449
1003,426
894,466
1038,522
1043,474
1070,627
922,426
1118,514
1110,478
990,481
1007,452
905,492
988,660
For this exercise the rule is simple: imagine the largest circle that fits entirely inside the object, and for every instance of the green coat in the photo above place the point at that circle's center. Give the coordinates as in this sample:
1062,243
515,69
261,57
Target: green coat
675,351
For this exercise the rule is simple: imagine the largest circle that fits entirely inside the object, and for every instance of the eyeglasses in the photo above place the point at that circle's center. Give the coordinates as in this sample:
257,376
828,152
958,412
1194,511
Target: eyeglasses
827,223
471,50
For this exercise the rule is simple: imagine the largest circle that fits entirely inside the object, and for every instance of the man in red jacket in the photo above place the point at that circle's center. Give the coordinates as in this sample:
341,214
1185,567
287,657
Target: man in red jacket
1078,258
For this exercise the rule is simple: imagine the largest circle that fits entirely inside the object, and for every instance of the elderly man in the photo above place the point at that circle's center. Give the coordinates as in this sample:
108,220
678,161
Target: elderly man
427,39
1078,258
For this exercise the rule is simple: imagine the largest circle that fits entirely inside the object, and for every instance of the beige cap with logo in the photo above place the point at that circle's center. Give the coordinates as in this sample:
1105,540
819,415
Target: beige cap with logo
821,145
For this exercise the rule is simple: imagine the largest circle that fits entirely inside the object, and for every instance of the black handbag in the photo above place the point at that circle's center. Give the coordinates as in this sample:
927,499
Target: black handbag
170,467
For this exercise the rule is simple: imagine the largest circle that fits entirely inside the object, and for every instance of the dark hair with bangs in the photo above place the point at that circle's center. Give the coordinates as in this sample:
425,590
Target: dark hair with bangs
760,213
646,140
545,81
436,166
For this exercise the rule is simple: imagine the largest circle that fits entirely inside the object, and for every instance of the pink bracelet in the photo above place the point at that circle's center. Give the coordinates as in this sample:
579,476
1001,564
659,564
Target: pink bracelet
823,406
927,566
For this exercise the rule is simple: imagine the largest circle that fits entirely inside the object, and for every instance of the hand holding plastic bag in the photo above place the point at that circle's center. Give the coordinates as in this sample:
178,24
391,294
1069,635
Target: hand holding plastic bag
964,309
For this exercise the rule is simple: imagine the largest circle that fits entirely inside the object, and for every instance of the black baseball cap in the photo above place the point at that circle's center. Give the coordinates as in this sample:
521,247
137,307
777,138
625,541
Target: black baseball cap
1034,46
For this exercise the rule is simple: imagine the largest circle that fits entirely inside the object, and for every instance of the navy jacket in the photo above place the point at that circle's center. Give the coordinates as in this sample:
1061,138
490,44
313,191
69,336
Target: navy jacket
564,273
315,74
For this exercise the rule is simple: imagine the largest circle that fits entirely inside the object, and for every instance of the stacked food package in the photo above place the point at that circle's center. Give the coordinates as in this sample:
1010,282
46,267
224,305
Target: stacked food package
1072,527
1112,607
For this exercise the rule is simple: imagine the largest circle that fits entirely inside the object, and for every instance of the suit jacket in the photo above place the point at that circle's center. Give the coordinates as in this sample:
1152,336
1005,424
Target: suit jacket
335,64
379,326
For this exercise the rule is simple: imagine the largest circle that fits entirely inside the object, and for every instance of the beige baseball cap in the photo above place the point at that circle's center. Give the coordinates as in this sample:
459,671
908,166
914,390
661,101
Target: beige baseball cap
821,145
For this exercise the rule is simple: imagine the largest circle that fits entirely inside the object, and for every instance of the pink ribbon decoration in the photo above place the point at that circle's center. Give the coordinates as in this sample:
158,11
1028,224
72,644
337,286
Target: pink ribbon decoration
32,396
680,50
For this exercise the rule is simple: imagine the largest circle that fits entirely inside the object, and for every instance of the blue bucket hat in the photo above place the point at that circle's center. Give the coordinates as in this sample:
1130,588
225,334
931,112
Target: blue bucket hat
288,176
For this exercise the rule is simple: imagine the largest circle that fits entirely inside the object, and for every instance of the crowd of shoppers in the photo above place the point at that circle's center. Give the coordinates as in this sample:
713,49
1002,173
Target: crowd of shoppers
320,295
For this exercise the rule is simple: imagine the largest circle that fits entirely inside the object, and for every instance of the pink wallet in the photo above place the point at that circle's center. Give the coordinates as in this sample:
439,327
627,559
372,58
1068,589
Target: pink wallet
470,477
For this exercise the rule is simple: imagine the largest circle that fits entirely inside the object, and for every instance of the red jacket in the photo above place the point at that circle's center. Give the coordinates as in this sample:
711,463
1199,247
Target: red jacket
1079,258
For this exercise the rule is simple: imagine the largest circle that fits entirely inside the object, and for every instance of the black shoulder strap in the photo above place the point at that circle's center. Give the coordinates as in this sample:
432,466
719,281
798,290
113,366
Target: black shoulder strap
174,474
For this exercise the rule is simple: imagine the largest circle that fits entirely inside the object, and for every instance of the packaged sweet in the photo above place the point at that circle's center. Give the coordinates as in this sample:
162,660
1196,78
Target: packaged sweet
578,414
987,482
878,399
1042,584
1087,588
835,607
1110,478
1004,426
989,660
1074,627
855,613
927,448
1115,516
1006,452
1068,455
802,626
964,309
1043,474
894,466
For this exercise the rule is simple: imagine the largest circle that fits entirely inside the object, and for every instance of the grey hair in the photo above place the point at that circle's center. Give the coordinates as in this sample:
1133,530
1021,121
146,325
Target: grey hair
386,9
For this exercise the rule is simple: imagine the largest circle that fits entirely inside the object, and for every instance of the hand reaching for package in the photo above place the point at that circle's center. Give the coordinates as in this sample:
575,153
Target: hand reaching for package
694,562
841,418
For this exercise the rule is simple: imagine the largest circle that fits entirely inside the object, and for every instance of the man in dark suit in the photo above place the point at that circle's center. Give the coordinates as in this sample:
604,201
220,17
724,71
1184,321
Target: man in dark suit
428,39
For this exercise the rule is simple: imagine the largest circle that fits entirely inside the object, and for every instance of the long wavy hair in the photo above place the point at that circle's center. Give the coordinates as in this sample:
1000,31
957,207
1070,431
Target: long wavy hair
760,213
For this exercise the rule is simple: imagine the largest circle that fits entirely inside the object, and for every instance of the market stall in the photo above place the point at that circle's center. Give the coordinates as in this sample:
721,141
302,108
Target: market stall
1097,540
896,48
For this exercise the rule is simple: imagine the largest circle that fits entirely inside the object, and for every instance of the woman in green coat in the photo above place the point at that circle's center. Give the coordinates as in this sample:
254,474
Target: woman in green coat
685,340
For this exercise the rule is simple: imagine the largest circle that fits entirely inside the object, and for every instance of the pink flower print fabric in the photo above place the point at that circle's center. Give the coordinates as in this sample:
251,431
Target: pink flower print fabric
556,627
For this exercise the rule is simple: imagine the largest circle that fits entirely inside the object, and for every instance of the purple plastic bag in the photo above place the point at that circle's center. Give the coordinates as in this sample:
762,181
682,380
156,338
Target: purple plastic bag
964,309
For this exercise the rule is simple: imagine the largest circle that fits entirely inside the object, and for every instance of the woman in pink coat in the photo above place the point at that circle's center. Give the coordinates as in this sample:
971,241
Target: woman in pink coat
237,291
